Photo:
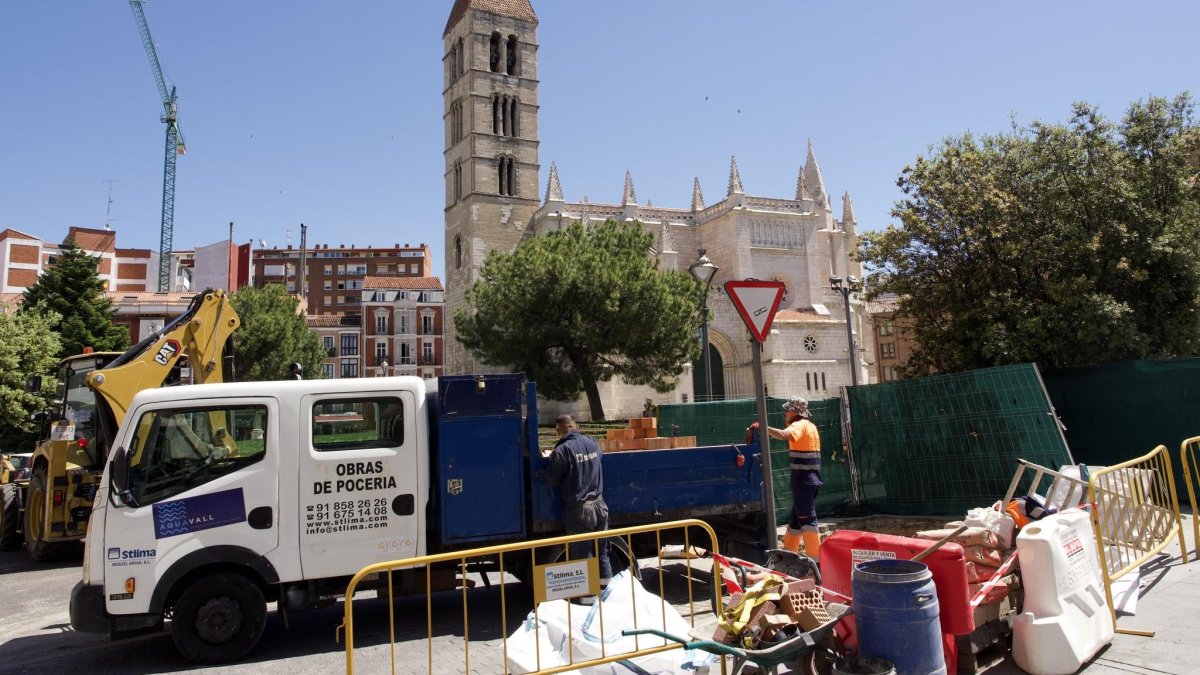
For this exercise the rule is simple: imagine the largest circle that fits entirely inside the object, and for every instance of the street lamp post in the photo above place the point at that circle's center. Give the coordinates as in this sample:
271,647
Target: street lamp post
845,289
703,270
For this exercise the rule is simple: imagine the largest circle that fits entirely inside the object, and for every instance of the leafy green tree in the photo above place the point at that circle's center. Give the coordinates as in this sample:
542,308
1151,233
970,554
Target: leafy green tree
1061,244
580,306
273,335
28,345
73,290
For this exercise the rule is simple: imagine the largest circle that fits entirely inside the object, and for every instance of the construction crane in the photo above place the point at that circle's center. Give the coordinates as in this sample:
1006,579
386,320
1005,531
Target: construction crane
175,146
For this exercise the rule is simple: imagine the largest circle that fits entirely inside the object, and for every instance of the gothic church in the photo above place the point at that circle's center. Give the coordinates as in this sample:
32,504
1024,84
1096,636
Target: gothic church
493,201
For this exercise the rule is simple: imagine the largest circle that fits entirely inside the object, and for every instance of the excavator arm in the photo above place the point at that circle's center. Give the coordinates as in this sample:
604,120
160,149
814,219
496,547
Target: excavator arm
203,333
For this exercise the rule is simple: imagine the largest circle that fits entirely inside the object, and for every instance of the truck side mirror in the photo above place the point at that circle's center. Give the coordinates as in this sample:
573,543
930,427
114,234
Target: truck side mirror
33,385
118,478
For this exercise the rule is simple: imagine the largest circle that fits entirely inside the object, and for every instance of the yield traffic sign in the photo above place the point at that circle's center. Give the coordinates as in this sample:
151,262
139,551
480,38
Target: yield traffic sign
757,302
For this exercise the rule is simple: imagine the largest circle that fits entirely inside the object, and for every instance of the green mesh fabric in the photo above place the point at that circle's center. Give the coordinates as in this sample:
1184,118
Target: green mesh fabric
1116,412
943,444
933,446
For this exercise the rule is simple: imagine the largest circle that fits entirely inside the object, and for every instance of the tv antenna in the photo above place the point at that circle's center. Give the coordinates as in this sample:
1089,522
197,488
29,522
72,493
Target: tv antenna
108,208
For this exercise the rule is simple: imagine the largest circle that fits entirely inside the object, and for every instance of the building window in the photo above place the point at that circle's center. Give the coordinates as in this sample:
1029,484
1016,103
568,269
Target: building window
349,344
512,118
505,178
327,370
810,344
887,327
808,381
511,65
406,354
327,341
458,187
887,350
381,352
452,64
402,327
458,252
494,53
462,57
427,352
381,324
349,369
412,269
328,285
328,300
889,373
823,380
427,325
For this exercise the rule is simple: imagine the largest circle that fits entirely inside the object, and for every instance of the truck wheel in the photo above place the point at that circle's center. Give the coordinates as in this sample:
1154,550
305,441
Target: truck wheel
218,619
10,515
35,518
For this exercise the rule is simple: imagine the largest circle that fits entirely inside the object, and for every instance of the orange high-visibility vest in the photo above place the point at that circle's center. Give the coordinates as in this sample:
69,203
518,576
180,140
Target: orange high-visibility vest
804,445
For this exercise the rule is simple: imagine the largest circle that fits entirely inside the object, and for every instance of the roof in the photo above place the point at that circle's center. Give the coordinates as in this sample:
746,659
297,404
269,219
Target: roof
144,296
402,283
517,9
10,233
801,315
332,320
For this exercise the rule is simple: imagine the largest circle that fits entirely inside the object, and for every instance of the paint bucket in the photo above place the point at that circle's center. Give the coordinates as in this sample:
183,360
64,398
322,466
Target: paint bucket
896,607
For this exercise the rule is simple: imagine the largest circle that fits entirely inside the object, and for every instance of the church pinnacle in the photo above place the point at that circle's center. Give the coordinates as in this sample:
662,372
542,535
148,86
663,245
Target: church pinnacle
735,179
697,196
813,182
554,191
629,197
847,210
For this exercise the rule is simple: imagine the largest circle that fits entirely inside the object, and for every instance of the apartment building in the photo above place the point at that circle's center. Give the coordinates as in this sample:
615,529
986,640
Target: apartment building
334,277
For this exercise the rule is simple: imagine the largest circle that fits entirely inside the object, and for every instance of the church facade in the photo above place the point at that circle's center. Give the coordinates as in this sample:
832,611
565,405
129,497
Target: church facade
493,202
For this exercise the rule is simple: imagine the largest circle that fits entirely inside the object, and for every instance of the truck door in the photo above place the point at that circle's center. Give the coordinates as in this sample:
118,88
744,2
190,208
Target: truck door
363,480
199,476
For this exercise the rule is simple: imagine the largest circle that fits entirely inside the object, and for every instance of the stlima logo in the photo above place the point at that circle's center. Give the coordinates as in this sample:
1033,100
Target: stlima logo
117,553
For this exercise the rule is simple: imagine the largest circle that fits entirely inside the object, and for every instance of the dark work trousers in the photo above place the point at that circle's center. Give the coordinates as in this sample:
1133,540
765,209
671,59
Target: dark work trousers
589,516
805,485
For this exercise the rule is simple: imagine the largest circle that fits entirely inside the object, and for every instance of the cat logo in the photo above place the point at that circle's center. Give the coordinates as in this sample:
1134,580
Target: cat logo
166,352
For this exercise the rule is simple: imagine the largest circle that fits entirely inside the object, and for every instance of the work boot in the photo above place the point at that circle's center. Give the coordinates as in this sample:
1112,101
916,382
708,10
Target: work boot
812,542
791,540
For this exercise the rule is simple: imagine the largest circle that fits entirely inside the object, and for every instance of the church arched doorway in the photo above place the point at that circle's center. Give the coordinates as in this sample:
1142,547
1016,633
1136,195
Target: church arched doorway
700,380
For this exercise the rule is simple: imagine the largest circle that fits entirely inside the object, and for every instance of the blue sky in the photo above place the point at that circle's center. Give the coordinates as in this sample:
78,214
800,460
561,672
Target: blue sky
330,113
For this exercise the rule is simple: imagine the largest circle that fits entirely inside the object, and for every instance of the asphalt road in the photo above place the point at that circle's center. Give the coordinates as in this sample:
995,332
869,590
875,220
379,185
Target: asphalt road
36,637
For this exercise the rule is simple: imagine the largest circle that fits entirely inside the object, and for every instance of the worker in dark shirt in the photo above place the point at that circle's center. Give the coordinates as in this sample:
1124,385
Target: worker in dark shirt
575,471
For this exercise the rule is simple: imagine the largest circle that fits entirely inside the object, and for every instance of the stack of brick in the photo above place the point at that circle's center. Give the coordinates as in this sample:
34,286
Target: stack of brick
642,434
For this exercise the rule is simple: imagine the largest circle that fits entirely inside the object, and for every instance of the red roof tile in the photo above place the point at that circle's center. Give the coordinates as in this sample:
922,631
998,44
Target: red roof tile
517,9
402,283
801,315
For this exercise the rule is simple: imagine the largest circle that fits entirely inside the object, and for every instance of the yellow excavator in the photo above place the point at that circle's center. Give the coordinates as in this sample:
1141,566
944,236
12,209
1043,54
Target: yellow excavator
93,395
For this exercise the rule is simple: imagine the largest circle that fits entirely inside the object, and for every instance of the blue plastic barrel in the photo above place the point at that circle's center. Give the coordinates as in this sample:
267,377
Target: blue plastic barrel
896,611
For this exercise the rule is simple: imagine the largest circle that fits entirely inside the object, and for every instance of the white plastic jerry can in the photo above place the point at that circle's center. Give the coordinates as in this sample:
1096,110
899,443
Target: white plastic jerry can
1066,619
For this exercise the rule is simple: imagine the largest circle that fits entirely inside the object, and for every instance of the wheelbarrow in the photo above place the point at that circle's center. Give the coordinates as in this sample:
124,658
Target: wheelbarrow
766,659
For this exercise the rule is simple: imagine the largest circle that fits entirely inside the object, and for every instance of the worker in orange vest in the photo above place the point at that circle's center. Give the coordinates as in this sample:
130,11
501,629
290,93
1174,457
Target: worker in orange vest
804,457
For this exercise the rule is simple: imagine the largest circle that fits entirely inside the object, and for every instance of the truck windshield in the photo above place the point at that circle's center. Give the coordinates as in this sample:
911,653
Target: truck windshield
176,449
79,401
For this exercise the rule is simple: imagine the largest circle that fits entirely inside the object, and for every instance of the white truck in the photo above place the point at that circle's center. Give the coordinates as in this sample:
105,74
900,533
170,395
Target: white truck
220,498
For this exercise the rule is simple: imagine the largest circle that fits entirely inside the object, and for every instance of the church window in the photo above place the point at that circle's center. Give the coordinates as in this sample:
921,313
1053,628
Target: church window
494,55
462,58
458,181
810,344
512,117
452,62
458,252
505,178
511,66
496,114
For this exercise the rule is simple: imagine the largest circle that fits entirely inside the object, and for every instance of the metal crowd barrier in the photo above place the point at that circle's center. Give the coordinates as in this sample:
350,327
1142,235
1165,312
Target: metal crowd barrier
1191,475
524,558
1136,516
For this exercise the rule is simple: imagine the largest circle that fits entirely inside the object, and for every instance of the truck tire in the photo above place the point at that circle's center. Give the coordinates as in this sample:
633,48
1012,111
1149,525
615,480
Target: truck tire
10,518
218,619
35,519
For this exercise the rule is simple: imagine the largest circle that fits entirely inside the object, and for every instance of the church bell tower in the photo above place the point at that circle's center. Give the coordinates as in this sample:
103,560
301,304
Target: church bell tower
491,143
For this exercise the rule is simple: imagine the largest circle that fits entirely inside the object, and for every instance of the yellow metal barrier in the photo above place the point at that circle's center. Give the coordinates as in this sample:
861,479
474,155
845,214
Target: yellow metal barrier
525,557
1135,516
1191,475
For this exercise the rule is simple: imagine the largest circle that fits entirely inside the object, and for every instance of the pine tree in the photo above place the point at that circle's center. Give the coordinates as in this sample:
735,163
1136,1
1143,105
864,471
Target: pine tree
72,289
273,335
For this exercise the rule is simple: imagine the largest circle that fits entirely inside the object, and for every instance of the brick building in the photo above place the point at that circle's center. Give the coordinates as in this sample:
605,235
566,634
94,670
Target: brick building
335,276
894,340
